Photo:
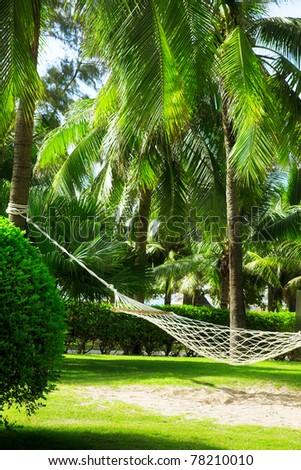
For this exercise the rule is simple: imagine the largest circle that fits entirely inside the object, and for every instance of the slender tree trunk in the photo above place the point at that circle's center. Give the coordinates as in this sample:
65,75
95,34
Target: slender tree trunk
291,304
275,295
199,299
141,230
236,301
167,296
290,299
187,299
224,273
271,299
21,176
20,183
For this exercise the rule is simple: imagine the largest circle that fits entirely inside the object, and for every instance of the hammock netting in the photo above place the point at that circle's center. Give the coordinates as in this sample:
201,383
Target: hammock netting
221,343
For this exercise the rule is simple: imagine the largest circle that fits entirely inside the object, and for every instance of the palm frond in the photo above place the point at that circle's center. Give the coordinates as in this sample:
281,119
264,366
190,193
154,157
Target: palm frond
293,192
294,283
291,249
18,71
55,147
254,153
288,71
250,108
286,226
282,34
77,171
143,37
7,111
172,189
266,268
106,103
152,49
179,268
201,164
285,85
142,169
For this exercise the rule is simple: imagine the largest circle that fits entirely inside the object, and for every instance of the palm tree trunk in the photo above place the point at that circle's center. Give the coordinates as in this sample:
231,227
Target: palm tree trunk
224,276
141,237
167,296
275,295
236,301
21,176
271,299
199,299
291,302
187,299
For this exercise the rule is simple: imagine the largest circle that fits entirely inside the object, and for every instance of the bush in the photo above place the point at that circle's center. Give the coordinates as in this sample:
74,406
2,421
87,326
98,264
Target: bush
92,324
271,321
218,316
266,321
88,323
31,323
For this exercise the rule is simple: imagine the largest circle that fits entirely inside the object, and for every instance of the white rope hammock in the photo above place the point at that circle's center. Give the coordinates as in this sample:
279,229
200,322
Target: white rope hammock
222,343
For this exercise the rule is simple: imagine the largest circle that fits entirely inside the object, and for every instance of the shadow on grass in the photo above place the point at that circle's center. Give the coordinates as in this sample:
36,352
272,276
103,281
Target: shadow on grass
122,428
43,439
100,370
207,436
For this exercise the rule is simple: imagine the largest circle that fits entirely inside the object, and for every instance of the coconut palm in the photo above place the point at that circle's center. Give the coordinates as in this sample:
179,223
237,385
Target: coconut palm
20,30
20,33
225,74
165,56
155,182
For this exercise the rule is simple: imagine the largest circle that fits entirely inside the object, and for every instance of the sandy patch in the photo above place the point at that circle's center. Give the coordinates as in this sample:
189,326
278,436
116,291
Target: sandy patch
280,408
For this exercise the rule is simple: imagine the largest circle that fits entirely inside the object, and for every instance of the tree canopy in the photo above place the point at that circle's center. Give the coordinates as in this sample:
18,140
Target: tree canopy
190,147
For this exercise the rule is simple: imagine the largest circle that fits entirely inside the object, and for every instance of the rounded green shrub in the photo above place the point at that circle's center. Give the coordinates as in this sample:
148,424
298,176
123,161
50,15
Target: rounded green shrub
31,322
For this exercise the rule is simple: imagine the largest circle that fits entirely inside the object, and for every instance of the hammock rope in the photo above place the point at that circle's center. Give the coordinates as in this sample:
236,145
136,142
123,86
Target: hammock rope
235,346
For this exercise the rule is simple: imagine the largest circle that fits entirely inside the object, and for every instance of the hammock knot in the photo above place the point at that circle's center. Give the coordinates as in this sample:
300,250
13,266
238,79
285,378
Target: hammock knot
112,288
17,209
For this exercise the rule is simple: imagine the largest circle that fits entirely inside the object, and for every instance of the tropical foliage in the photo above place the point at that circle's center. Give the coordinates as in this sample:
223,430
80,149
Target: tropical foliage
182,174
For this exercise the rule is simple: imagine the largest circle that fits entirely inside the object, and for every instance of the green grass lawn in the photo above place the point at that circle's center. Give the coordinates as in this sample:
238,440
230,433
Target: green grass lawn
70,420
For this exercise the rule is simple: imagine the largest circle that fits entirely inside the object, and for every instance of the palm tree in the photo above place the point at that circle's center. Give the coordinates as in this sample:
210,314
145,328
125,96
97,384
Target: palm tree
157,181
20,32
164,56
224,74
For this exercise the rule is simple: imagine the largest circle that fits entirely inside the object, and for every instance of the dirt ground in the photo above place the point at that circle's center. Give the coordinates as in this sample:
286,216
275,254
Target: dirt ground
272,407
